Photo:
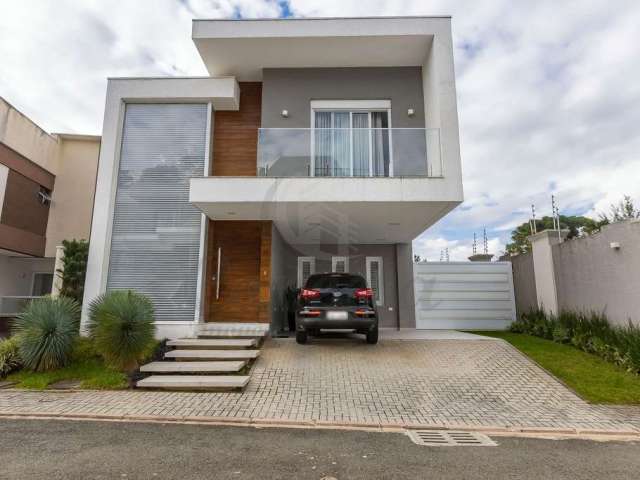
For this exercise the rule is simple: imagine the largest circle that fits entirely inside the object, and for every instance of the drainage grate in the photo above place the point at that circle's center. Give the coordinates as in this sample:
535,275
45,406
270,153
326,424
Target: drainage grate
446,438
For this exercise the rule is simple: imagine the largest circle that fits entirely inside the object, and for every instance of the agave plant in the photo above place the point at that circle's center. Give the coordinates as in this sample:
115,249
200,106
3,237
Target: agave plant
121,326
46,331
9,356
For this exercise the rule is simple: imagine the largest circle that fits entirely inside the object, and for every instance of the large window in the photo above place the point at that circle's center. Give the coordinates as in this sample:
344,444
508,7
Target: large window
41,284
351,142
156,232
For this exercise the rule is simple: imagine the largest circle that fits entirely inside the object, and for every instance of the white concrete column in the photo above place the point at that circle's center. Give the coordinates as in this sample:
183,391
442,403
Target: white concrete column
57,272
544,269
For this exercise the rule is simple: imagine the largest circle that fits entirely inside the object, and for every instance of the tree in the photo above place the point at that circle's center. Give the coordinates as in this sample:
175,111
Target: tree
623,210
76,253
577,226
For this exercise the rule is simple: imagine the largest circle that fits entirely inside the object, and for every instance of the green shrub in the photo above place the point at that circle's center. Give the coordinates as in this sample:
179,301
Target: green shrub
121,326
9,356
76,253
591,332
84,350
46,331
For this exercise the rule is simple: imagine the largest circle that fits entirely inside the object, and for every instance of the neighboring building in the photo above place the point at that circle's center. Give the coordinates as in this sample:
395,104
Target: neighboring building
47,184
314,145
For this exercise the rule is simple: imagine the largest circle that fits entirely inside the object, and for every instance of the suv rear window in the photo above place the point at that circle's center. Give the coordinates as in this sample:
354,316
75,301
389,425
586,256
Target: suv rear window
336,281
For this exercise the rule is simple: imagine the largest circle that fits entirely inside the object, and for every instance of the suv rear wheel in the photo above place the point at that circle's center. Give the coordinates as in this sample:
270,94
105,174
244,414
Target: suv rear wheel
301,337
372,336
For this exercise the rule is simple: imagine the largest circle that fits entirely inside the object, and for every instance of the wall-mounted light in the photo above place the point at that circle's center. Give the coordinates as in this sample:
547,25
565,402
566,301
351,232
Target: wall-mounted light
615,245
411,112
285,113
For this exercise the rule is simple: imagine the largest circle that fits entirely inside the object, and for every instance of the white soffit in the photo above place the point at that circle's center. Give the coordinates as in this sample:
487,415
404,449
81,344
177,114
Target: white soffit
244,47
342,210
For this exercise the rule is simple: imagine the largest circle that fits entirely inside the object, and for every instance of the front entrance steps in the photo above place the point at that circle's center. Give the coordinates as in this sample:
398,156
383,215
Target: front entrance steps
195,382
186,355
217,360
194,367
233,330
213,342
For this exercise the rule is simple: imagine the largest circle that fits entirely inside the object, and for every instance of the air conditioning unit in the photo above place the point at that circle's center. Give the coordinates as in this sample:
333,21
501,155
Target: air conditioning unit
44,197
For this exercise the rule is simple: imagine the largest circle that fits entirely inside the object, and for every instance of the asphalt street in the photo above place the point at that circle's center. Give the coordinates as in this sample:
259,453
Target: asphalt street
52,449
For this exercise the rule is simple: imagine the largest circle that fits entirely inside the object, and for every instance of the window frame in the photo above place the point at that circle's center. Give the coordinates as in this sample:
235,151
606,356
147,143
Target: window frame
368,262
33,282
312,269
336,259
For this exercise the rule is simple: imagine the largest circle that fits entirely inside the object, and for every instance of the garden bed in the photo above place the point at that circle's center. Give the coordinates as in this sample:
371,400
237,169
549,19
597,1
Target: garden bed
91,373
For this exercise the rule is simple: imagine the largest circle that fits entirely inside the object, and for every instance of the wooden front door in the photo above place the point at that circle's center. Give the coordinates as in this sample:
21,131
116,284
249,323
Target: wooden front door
236,291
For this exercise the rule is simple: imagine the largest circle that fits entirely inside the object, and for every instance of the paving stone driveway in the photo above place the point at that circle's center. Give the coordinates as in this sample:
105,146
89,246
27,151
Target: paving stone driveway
450,383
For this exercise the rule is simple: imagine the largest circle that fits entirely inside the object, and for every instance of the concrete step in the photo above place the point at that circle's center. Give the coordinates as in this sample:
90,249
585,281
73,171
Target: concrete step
194,382
205,343
193,367
233,330
213,354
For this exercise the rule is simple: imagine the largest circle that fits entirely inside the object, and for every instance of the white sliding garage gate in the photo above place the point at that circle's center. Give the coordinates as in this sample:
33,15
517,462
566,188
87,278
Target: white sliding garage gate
464,295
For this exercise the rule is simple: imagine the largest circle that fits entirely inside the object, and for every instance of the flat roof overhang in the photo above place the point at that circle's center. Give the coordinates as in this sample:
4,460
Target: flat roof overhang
244,47
328,210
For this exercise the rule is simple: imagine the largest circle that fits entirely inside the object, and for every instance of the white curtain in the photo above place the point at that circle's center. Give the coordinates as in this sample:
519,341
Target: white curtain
322,141
380,144
361,144
341,145
351,144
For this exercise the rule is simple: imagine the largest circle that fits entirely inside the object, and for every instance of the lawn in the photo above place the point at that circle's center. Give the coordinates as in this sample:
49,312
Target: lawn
589,376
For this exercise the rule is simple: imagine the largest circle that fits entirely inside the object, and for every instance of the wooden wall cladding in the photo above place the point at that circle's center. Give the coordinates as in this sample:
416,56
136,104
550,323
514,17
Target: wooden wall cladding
22,208
26,167
235,135
245,277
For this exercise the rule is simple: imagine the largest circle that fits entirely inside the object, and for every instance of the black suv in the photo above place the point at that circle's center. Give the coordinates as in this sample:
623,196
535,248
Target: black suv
336,301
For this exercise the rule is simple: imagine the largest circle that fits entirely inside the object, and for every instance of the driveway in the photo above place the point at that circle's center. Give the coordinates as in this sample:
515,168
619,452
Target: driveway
449,383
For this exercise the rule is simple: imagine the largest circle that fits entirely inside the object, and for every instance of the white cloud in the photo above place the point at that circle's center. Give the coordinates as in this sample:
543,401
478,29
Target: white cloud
548,97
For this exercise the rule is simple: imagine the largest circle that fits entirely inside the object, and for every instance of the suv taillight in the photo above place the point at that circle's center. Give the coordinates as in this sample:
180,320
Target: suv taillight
308,294
364,293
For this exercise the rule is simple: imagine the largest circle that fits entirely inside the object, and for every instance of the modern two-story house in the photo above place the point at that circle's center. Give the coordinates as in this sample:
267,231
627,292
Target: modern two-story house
313,145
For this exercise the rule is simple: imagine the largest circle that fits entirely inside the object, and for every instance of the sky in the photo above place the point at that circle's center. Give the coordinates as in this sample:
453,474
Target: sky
548,91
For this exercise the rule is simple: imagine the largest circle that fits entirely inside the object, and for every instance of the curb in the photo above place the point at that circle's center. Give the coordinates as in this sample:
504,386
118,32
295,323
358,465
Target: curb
524,432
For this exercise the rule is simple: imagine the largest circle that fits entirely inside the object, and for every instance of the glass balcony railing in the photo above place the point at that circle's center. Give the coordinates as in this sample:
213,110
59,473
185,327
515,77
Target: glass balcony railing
10,306
349,152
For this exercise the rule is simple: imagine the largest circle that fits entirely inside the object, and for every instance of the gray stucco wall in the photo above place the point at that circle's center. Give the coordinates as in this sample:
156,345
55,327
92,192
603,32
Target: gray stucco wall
293,89
590,275
524,282
285,274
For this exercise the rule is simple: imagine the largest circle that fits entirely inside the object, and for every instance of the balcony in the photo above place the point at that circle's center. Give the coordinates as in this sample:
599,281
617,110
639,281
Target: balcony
349,152
369,185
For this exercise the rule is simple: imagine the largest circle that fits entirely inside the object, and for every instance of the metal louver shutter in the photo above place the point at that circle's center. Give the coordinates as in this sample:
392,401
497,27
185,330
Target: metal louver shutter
340,264
156,232
306,268
375,278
